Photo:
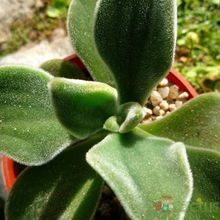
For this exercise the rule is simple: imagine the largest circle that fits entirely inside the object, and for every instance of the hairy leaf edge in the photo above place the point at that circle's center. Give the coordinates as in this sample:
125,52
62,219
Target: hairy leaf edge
90,158
42,73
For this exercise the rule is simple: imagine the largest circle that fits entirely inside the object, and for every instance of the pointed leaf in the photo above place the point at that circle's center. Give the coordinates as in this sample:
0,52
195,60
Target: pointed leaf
80,27
62,68
65,188
142,171
130,115
82,106
29,130
111,124
205,165
197,123
136,40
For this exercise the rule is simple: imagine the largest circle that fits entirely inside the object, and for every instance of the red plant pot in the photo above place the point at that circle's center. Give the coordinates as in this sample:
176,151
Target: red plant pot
10,169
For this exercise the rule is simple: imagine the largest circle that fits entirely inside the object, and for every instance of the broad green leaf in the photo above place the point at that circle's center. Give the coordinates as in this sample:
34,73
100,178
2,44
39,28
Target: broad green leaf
62,68
144,171
197,123
65,188
136,39
205,165
82,106
80,27
29,130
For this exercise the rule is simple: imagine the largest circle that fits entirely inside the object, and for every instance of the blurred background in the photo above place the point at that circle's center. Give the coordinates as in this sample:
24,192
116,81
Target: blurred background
33,31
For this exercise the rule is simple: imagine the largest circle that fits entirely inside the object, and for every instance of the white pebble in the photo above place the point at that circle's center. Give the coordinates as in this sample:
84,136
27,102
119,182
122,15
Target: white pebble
178,104
147,120
167,113
164,91
155,98
161,112
159,117
164,105
184,95
164,82
172,107
164,99
153,118
147,111
174,92
156,110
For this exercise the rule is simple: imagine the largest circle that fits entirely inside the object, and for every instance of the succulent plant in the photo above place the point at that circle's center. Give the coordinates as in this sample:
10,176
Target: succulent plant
75,134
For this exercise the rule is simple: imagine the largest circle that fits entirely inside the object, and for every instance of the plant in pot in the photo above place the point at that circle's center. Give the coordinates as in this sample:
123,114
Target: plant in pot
74,134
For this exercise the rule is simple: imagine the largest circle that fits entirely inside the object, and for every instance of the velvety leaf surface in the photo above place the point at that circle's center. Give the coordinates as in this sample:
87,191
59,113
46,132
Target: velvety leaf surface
65,188
197,123
144,171
136,39
80,27
82,106
205,165
129,115
62,68
29,130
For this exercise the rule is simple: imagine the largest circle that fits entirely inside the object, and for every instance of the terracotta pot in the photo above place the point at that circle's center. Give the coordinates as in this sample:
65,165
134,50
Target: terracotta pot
11,169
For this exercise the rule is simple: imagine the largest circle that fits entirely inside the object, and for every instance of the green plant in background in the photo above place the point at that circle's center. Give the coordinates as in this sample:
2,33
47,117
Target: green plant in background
128,47
57,8
33,29
198,44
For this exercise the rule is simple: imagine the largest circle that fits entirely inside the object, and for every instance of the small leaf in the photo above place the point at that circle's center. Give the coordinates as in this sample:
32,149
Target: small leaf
62,68
111,124
82,106
53,12
57,8
130,114
128,117
142,171
136,40
205,165
197,123
65,188
80,25
29,130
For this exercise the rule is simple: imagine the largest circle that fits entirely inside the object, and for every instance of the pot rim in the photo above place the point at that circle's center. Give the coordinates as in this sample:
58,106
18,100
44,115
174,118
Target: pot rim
8,167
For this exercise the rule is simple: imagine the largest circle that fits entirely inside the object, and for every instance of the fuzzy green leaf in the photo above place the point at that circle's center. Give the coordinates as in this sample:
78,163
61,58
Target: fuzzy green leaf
29,130
128,117
80,27
197,123
142,171
205,203
130,114
65,188
62,68
82,106
111,124
136,39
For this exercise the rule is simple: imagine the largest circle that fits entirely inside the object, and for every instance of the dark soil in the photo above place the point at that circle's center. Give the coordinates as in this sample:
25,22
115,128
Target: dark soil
109,207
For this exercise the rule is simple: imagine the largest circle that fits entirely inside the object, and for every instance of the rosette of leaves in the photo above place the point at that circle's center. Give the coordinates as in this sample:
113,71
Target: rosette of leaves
75,134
